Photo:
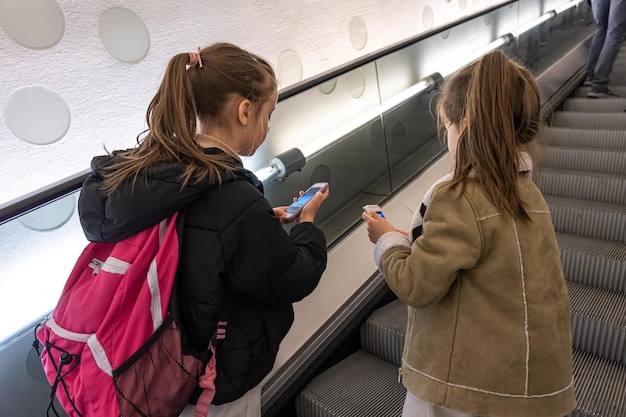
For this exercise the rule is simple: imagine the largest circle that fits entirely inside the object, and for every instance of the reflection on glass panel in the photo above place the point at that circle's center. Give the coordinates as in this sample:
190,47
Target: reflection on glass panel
406,67
411,135
409,128
34,265
542,46
314,119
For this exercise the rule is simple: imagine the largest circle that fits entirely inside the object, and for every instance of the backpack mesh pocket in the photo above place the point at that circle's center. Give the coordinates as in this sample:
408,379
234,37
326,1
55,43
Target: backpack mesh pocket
160,380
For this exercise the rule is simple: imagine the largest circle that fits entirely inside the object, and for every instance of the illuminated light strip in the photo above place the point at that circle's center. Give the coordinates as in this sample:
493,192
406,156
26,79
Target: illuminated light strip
541,19
468,59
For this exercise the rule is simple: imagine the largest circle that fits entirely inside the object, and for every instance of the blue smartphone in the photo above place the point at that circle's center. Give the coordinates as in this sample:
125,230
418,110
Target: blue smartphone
373,208
296,207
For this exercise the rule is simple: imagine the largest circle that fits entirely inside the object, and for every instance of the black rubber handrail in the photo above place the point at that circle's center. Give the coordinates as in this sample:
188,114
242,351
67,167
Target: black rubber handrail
38,198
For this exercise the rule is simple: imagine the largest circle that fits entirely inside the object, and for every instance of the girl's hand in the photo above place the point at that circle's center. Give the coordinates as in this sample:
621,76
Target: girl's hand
280,213
377,226
311,208
308,212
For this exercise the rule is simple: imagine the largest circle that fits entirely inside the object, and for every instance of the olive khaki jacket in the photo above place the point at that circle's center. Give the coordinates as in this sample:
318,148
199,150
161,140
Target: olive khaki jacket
488,329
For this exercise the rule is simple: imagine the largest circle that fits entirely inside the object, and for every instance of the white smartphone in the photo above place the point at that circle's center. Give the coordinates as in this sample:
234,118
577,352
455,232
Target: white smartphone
296,207
373,208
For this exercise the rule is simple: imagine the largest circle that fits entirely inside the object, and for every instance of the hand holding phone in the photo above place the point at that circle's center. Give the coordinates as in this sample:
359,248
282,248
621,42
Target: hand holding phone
293,211
373,208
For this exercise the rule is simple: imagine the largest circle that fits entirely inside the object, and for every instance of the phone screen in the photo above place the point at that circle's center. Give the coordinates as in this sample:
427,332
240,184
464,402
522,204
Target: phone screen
303,199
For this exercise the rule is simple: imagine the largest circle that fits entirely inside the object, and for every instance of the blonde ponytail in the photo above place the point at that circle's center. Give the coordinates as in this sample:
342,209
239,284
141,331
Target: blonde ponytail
495,103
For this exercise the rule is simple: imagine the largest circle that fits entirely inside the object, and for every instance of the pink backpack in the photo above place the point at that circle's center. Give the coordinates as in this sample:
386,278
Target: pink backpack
111,347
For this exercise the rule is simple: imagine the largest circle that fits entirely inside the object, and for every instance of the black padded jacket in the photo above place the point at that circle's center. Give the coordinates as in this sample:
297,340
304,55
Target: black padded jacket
231,243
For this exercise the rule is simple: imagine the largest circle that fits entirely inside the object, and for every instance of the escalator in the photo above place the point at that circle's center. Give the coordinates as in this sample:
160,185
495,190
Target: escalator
583,177
388,156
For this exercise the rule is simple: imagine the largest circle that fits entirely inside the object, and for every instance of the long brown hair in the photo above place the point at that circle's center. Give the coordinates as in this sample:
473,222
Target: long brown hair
495,104
185,95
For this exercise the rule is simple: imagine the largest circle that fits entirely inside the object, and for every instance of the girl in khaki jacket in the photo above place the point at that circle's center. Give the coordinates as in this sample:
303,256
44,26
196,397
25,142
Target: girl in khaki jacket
488,329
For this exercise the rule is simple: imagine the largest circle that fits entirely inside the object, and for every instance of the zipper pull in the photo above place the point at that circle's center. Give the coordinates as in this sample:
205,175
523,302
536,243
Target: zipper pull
399,375
96,265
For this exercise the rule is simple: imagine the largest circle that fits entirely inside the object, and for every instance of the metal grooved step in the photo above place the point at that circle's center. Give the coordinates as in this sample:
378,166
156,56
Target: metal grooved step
611,105
597,262
580,120
595,160
598,321
610,188
588,218
581,138
620,90
600,385
360,385
382,334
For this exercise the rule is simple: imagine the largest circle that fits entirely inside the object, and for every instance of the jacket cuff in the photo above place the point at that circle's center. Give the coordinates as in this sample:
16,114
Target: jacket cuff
387,241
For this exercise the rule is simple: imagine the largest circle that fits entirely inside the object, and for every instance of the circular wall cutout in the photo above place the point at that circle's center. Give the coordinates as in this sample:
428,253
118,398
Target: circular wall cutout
289,68
51,216
35,24
124,35
321,173
356,83
377,137
328,86
37,115
428,17
398,134
487,19
358,33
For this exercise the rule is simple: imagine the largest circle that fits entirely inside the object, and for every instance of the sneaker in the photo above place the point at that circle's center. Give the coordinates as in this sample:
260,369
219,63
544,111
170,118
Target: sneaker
588,81
601,94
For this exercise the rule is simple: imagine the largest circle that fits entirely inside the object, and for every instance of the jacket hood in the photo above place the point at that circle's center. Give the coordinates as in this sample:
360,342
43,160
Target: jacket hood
155,196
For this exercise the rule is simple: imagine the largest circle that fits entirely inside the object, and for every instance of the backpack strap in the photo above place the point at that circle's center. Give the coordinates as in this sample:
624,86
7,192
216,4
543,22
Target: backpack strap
207,380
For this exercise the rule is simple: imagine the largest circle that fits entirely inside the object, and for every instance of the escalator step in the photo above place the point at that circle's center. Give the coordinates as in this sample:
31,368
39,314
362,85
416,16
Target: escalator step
583,138
597,262
588,218
382,334
620,90
600,386
581,120
594,160
610,188
598,321
610,105
360,385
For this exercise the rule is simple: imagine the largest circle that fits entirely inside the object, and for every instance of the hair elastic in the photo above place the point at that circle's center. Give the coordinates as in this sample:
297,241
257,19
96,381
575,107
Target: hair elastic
195,59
